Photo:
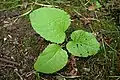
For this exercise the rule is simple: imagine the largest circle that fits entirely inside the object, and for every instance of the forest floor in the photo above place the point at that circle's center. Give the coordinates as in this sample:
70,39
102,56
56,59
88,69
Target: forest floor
20,45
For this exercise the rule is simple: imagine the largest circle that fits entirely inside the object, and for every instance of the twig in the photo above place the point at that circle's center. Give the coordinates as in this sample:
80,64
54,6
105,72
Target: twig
10,8
92,19
68,76
11,66
8,2
24,14
8,61
32,6
44,5
15,70
29,73
118,77
103,45
84,18
83,4
111,47
114,76
109,31
80,14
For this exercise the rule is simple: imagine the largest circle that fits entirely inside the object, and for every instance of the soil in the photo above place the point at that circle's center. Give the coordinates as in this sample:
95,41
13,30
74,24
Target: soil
20,46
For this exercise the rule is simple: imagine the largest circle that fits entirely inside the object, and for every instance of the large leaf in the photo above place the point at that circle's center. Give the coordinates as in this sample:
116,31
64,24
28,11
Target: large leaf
52,59
50,23
83,44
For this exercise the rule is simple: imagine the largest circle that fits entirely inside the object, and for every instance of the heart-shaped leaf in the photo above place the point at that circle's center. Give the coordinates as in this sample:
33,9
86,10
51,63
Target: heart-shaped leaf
50,23
52,59
83,44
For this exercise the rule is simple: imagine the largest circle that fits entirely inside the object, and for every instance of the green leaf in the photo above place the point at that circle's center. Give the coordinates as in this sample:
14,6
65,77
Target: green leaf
98,5
83,44
50,23
52,59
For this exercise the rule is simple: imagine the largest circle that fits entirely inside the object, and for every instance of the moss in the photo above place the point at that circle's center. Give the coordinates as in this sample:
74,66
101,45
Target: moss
103,25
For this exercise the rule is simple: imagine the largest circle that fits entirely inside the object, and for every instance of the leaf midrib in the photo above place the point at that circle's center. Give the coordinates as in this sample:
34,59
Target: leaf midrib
51,57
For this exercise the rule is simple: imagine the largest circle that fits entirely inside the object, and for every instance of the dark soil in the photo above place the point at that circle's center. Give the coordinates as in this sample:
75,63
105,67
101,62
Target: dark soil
19,48
20,45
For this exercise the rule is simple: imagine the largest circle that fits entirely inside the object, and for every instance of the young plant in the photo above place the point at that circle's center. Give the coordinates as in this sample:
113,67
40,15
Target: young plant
96,3
51,24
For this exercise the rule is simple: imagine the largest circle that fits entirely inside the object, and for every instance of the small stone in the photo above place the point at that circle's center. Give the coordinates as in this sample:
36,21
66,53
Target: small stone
5,39
9,36
86,69
5,22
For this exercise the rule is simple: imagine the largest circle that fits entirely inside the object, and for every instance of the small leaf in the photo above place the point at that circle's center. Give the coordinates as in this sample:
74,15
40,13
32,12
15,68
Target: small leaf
50,23
98,5
52,59
83,44
95,4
